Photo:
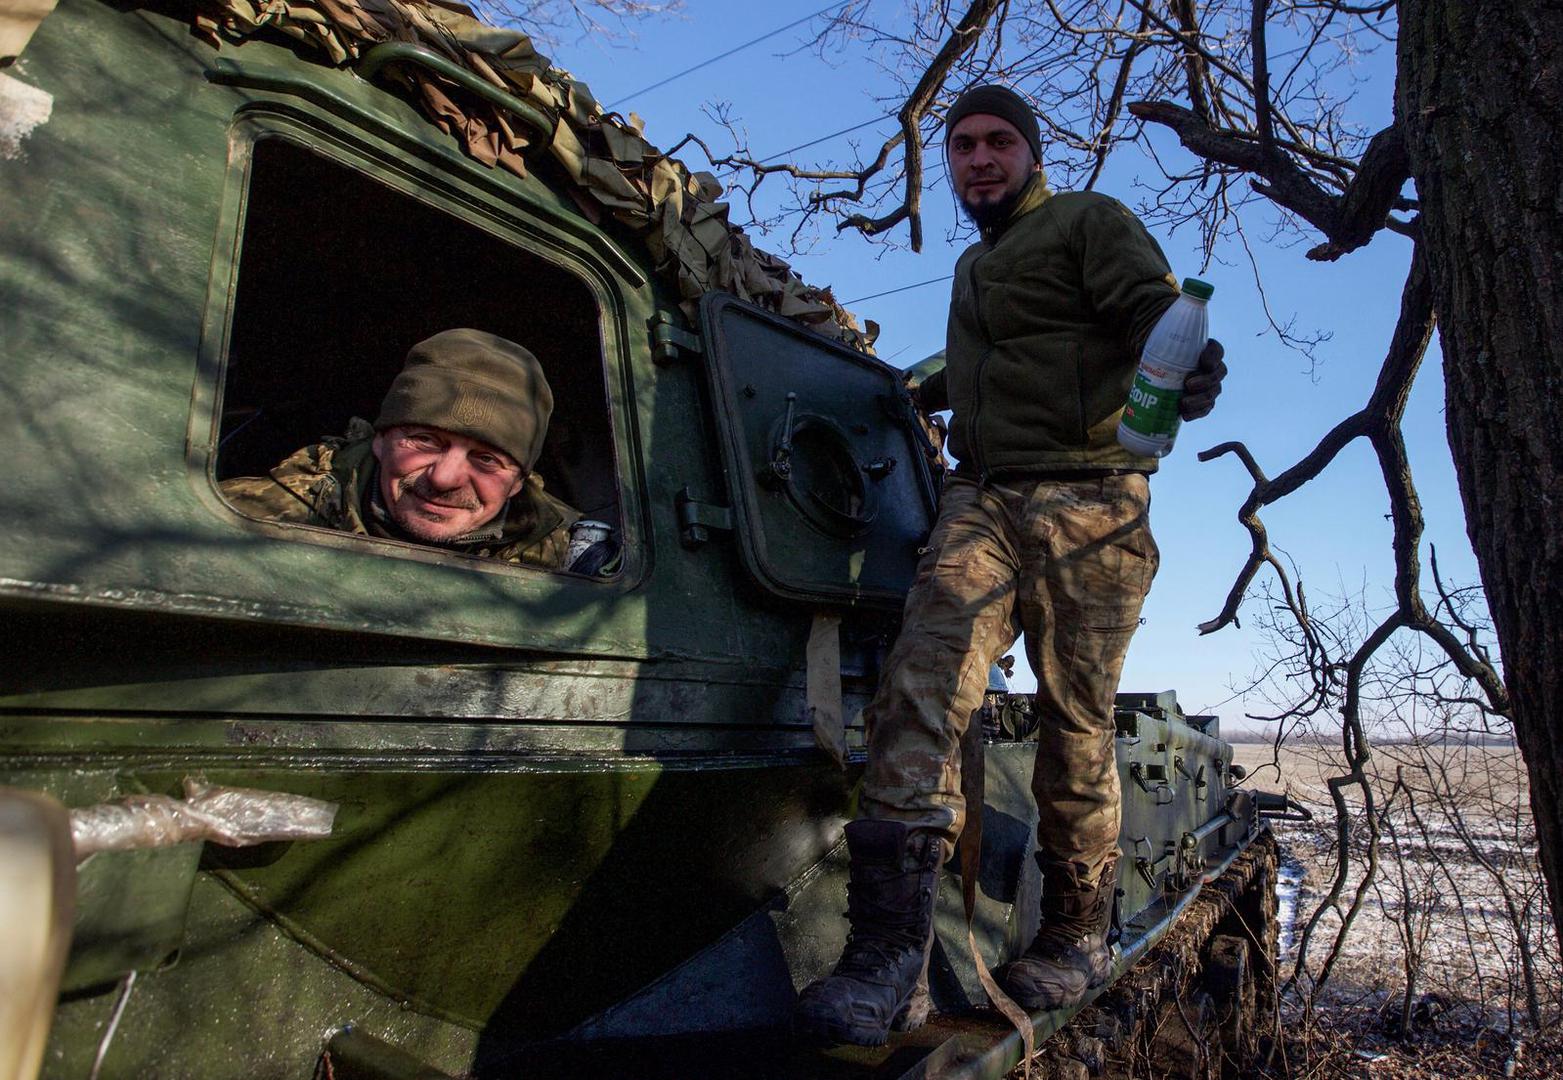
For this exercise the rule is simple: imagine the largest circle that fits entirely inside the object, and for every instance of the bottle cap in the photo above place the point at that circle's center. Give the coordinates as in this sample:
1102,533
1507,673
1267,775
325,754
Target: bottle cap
1199,289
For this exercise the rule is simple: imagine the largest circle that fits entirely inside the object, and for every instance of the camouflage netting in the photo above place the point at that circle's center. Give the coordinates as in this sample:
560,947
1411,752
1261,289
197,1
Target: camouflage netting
615,170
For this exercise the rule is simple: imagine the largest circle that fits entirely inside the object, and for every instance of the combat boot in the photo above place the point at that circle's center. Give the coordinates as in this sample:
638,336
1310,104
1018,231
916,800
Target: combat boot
880,982
1069,956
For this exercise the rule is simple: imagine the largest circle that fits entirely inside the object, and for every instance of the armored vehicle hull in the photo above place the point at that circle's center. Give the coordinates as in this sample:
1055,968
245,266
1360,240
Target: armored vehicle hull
580,819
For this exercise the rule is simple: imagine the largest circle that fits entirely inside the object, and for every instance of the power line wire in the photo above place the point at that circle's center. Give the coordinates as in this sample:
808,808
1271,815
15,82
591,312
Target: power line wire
725,55
892,292
826,138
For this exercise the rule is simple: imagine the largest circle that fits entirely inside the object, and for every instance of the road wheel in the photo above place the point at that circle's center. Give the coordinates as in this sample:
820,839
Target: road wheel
1229,979
1184,1043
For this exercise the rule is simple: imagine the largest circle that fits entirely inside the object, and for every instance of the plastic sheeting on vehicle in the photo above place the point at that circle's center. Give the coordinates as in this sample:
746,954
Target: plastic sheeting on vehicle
237,817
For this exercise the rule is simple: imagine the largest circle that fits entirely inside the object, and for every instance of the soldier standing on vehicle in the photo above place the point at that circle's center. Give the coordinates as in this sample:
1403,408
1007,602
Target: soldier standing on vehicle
1043,528
449,462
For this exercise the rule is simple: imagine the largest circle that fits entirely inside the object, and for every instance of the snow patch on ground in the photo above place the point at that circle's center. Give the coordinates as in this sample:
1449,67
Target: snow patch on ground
1287,887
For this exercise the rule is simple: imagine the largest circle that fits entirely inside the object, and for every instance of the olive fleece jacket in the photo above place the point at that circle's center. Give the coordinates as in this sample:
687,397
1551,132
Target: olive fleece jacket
1048,315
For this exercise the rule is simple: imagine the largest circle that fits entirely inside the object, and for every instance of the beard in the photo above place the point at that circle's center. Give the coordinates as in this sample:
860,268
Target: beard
993,213
988,214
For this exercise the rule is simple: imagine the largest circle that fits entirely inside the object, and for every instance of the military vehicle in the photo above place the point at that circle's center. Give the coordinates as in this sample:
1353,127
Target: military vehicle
481,819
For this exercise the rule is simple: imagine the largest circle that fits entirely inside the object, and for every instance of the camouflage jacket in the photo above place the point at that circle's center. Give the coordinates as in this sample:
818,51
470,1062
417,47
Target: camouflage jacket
330,484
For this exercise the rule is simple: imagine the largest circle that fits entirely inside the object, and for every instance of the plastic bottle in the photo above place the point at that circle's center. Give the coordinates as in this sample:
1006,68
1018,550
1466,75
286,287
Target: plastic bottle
1150,418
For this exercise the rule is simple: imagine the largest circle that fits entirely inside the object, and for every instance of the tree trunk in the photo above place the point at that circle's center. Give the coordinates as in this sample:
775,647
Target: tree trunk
1480,96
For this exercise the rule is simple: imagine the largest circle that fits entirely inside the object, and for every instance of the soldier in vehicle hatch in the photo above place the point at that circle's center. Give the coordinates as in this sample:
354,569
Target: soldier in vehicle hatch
448,463
1042,529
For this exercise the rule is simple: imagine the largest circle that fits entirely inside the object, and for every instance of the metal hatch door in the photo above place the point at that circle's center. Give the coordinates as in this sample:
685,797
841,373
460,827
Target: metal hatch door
831,492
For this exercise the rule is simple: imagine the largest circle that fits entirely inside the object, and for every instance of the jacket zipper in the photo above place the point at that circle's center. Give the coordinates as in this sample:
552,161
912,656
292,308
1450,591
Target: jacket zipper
976,391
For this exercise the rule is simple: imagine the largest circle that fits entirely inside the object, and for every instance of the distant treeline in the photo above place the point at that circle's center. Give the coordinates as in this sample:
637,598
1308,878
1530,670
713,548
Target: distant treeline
1452,738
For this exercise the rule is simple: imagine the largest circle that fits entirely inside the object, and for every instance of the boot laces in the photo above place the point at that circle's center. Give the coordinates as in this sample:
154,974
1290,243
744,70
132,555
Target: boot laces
1061,931
880,933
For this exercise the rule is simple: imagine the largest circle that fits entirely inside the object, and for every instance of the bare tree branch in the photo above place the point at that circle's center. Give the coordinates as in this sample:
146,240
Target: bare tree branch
1115,102
1193,57
1349,220
1409,343
1264,123
551,21
917,104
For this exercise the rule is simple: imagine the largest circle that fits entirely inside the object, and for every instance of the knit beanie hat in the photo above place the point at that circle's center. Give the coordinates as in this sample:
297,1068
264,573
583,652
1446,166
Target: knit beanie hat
473,384
1000,101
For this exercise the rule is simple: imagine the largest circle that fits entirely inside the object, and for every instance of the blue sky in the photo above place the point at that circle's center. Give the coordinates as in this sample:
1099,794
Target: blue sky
1335,530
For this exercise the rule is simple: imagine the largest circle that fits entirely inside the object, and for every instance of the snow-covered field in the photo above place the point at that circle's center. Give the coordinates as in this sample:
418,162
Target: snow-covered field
1457,898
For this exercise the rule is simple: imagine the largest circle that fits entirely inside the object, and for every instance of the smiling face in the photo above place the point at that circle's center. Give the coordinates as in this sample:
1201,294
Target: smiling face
989,165
439,486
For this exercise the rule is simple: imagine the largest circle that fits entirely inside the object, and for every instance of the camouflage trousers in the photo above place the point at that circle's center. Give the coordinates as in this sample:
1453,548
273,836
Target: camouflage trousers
1066,563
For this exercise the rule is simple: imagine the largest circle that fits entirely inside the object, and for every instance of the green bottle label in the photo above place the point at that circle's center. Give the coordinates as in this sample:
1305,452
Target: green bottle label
1152,410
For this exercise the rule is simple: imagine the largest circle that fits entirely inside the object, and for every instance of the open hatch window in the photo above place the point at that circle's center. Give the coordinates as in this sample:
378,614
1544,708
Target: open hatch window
340,274
830,484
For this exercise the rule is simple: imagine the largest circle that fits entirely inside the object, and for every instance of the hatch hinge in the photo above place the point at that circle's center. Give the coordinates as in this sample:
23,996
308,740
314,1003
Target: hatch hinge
697,519
670,342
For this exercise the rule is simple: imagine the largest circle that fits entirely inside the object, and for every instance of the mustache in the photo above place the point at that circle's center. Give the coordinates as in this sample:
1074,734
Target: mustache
456,497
